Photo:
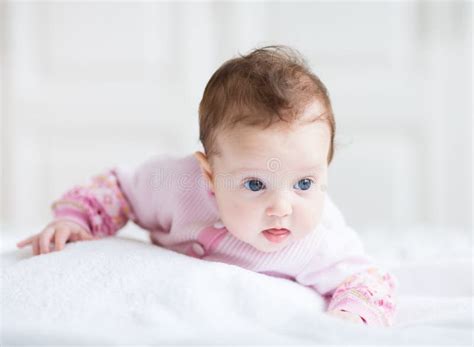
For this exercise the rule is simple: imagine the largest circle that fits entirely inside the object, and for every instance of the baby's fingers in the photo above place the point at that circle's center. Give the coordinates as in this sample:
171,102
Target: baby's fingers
35,245
60,238
25,241
45,239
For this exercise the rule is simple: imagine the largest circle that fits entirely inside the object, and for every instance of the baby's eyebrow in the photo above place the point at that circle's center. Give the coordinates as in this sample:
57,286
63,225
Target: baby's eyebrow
303,169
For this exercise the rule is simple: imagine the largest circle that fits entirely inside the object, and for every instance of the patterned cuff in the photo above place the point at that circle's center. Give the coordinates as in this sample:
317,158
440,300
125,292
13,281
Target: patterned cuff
65,211
100,222
101,201
354,302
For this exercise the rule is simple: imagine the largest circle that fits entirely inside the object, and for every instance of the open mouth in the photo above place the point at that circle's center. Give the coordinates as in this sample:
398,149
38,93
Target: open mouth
276,235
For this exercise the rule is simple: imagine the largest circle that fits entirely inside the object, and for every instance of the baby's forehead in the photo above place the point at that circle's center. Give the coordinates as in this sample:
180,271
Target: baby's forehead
306,146
276,136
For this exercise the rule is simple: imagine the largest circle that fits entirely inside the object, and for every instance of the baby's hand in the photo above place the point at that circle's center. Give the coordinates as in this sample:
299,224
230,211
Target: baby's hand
62,231
346,316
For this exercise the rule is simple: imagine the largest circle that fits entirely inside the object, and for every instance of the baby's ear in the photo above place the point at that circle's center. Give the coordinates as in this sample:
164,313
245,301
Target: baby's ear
205,168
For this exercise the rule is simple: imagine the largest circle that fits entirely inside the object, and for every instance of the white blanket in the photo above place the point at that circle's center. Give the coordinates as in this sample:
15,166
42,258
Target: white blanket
122,290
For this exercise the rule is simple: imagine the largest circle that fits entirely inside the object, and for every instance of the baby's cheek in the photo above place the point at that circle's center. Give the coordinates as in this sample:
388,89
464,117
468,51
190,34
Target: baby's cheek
242,212
318,213
234,214
310,216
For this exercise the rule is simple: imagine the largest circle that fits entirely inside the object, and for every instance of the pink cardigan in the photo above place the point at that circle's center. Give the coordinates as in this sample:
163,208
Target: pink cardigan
169,197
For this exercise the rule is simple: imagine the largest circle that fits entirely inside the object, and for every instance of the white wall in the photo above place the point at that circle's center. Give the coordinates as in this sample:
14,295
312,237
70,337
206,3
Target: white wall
89,85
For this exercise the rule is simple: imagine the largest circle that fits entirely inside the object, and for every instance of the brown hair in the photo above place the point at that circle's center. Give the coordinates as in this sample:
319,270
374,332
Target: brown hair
270,84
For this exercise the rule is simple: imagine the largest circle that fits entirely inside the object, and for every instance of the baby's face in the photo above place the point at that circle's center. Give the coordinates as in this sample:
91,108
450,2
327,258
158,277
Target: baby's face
272,178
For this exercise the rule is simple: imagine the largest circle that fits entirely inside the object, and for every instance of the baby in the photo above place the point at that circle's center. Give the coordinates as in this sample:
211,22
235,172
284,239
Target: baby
256,197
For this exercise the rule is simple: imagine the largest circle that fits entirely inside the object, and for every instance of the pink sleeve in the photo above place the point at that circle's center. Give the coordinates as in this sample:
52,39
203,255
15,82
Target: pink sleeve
99,206
147,194
341,271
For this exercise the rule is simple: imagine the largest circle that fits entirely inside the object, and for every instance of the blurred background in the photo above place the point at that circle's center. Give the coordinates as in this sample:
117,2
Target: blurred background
90,85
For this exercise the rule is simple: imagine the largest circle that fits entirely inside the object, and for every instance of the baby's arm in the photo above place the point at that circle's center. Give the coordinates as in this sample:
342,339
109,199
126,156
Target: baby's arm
85,212
105,204
109,200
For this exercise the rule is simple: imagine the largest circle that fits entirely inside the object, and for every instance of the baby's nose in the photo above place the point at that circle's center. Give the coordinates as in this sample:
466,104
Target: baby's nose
280,207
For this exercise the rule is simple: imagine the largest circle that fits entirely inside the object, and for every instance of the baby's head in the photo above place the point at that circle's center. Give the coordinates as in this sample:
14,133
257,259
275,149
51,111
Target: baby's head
267,128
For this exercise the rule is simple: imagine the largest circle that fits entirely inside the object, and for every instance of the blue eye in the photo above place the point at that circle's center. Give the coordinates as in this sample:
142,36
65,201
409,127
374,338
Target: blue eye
303,184
254,185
